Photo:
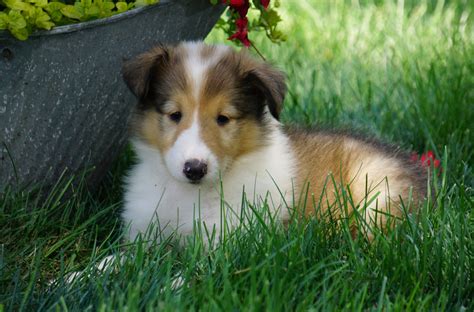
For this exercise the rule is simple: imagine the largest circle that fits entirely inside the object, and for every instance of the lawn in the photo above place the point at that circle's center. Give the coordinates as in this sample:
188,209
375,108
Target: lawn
402,71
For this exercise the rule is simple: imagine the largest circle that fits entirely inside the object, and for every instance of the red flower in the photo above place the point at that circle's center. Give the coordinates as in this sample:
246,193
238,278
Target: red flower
242,32
241,23
426,159
240,6
429,157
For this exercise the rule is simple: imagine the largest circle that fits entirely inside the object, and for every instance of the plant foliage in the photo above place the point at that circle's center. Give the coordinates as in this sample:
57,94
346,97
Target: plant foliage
22,17
244,16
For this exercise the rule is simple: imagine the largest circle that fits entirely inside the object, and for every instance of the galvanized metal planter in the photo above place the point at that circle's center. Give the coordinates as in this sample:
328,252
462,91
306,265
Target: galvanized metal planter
63,105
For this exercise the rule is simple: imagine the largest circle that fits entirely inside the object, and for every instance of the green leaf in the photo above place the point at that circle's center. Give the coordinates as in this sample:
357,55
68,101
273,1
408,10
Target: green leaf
54,6
43,20
56,16
271,17
108,6
80,9
17,5
86,3
16,20
54,10
277,36
3,20
19,33
72,12
39,3
121,6
17,25
142,3
92,11
105,7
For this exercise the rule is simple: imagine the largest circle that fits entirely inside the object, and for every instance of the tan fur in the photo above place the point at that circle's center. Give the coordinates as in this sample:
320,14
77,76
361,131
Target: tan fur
330,163
158,130
238,137
242,63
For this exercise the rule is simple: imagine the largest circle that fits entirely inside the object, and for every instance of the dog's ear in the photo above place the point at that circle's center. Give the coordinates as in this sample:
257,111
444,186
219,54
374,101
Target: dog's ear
139,71
271,85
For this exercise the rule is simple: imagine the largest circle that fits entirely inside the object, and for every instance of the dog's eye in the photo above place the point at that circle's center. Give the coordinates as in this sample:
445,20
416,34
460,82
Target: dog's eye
176,116
222,120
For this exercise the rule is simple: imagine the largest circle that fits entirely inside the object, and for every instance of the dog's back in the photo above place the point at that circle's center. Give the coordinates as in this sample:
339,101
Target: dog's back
374,178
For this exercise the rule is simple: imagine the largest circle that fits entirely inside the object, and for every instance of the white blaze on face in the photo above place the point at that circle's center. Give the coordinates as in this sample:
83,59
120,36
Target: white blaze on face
189,145
196,66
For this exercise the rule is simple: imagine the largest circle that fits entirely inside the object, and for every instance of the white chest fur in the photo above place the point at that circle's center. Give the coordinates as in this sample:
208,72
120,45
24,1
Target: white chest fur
154,196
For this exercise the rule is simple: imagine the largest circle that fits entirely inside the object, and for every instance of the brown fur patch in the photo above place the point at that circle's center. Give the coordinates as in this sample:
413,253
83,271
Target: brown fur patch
207,51
328,162
254,83
158,130
152,75
136,72
241,135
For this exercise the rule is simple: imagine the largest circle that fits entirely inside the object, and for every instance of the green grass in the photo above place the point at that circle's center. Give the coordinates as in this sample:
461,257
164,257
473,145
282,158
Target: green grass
399,70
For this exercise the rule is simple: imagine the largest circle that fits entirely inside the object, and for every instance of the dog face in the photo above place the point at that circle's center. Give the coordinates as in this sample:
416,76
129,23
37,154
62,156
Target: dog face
202,107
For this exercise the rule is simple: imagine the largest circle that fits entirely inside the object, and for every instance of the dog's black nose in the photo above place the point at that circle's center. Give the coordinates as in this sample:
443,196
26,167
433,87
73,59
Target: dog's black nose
194,169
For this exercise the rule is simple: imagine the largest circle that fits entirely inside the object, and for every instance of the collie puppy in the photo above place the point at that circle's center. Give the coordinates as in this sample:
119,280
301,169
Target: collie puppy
207,135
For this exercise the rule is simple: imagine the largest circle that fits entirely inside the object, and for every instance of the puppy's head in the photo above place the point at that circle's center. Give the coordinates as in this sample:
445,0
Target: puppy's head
202,107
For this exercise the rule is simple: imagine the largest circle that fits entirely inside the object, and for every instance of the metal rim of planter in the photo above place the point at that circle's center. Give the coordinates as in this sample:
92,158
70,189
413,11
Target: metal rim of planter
89,24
